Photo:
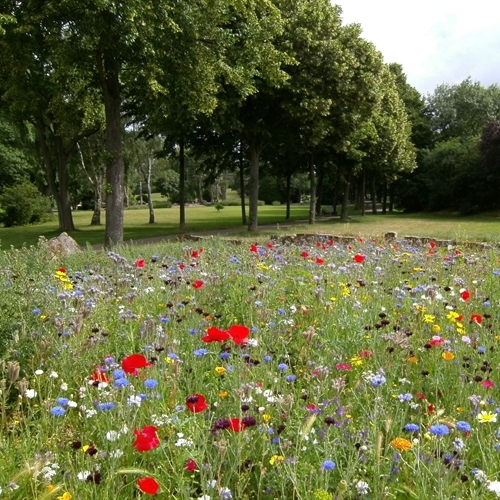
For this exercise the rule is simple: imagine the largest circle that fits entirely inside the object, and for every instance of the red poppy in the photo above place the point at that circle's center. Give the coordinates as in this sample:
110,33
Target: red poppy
304,254
269,245
476,318
191,465
196,253
320,261
432,244
62,270
146,439
216,335
437,340
465,295
458,252
430,408
99,375
182,266
359,258
139,263
331,243
148,485
196,403
197,284
131,363
253,248
236,425
238,333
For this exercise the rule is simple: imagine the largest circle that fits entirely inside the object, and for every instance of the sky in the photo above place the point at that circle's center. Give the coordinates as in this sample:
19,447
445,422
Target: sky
436,41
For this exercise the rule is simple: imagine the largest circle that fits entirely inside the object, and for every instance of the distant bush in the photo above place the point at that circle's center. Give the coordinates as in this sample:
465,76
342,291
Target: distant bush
23,204
276,203
219,206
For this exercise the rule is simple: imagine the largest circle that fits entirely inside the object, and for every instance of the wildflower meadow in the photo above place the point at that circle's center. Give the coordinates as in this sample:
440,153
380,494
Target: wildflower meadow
212,370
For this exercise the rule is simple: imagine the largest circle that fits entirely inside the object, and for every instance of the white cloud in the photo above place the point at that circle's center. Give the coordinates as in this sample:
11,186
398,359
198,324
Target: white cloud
436,41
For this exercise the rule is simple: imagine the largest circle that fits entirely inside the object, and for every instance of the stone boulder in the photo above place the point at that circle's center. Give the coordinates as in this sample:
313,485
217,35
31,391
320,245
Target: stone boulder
62,245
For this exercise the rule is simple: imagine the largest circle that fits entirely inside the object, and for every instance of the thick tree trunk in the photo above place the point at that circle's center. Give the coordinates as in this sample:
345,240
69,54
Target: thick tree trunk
109,69
148,187
254,188
182,187
288,194
58,183
242,187
312,190
345,199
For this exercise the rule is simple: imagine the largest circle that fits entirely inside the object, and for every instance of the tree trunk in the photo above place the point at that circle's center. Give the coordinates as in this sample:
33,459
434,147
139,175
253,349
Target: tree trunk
288,194
109,69
384,198
242,187
373,194
312,190
150,198
319,191
391,197
345,199
254,188
96,215
58,183
182,187
363,192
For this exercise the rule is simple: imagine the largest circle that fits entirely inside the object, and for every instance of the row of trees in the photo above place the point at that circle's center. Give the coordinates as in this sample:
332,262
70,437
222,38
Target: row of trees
226,79
106,90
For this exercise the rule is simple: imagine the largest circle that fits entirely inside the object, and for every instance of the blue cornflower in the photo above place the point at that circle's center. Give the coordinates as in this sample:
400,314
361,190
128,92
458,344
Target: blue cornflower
411,427
463,426
328,465
150,383
200,352
193,331
164,319
267,358
118,374
62,401
481,349
282,366
58,411
224,355
105,406
291,378
121,382
405,397
439,430
172,355
36,311
281,311
378,380
233,260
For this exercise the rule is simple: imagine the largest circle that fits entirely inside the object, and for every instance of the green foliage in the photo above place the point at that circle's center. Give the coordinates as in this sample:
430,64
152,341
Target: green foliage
219,206
23,204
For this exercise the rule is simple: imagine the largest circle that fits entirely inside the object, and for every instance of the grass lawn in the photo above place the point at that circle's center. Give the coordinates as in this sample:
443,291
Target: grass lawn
484,227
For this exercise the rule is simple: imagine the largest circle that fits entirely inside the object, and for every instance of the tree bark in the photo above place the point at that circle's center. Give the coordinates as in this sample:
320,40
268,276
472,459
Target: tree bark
58,182
319,190
254,187
288,194
242,186
150,198
312,190
182,187
109,69
345,199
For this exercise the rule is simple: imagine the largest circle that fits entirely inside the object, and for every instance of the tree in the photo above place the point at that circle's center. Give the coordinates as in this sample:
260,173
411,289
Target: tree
463,109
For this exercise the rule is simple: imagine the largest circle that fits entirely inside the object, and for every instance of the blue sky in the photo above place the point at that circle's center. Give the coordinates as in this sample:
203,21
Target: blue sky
436,41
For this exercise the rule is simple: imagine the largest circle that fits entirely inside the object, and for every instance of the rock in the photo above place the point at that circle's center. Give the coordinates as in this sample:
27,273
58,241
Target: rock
62,245
391,235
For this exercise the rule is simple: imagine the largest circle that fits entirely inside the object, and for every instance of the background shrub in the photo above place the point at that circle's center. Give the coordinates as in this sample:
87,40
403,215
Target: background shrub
23,204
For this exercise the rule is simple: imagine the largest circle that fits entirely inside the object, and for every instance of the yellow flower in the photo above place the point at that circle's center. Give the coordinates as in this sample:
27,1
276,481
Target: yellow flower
418,269
276,459
413,360
429,318
448,356
401,444
220,370
65,496
486,417
420,308
436,328
266,417
50,487
452,316
356,361
223,394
